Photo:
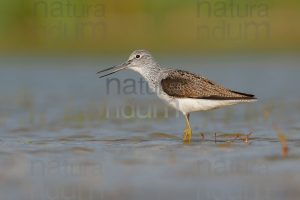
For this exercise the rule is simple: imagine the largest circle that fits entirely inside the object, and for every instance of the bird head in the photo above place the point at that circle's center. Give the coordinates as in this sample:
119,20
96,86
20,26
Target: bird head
137,61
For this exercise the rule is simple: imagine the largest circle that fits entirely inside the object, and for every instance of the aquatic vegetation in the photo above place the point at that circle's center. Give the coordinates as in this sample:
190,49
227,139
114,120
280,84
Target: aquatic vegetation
283,141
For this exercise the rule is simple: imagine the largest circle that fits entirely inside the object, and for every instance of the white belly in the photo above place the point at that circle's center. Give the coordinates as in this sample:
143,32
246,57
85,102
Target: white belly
187,105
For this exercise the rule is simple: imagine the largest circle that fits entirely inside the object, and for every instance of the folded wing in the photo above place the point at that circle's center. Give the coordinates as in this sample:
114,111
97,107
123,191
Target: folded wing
182,84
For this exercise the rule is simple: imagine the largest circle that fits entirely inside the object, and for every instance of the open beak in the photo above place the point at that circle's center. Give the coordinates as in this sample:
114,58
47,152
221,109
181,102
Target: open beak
114,69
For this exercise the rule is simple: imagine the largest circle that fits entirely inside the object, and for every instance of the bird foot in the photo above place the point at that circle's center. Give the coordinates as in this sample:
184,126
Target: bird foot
187,135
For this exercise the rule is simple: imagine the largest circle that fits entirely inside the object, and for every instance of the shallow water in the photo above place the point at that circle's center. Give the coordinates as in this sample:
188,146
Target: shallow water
65,134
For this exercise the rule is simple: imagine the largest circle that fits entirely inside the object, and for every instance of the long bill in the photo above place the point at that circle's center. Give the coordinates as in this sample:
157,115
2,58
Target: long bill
114,69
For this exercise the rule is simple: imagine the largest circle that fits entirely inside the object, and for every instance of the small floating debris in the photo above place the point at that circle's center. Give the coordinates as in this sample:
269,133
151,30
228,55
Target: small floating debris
234,136
81,150
163,135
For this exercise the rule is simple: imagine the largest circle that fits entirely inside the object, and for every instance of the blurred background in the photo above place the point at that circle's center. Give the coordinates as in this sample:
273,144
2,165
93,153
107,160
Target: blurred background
65,134
109,27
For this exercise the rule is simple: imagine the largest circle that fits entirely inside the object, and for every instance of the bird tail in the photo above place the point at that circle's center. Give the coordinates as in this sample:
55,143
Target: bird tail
245,96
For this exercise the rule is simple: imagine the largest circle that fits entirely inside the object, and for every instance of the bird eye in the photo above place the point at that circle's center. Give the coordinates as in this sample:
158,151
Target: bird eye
137,56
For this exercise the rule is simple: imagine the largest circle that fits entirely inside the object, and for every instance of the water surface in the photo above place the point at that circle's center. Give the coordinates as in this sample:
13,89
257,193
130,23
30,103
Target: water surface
64,134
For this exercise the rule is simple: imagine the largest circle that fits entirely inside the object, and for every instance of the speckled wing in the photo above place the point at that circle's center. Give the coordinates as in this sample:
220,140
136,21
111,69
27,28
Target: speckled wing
182,84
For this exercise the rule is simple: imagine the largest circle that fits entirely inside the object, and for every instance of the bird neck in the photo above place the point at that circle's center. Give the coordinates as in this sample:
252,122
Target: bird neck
149,70
151,74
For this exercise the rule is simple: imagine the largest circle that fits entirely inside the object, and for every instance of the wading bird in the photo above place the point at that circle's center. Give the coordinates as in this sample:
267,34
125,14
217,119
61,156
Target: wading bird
185,91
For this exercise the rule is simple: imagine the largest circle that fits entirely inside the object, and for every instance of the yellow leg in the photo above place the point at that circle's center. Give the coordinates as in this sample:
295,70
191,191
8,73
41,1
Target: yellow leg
187,131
